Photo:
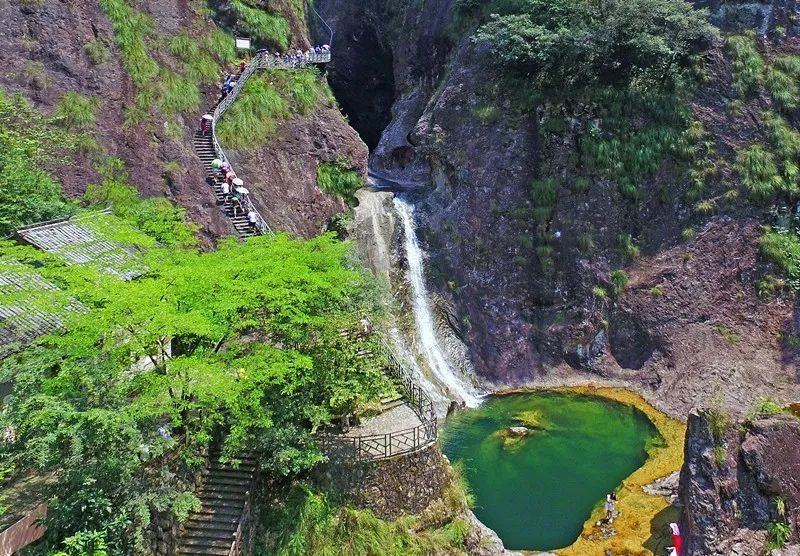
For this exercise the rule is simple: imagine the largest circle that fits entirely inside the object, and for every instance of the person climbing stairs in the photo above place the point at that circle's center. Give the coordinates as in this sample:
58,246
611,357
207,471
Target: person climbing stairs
225,498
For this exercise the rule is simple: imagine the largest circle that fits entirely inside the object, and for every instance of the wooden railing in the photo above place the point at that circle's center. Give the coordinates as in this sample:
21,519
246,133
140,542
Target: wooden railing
244,522
260,62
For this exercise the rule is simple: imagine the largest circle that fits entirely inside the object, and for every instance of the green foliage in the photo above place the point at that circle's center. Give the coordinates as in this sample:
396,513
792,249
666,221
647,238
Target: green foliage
339,178
656,291
97,51
759,173
172,87
256,352
586,243
748,65
766,407
264,27
600,293
308,522
779,533
626,247
487,114
782,247
254,117
156,217
265,100
75,110
28,144
568,46
620,280
85,543
688,234
705,207
719,422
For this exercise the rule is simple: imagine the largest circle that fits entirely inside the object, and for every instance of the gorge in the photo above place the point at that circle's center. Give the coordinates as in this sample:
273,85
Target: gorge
575,217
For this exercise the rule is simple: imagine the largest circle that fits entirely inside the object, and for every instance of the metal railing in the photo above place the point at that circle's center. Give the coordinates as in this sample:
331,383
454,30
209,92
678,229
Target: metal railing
376,447
260,62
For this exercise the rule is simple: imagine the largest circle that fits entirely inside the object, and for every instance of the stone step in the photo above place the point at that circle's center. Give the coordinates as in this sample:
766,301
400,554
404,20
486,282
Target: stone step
207,513
209,533
206,543
221,503
220,522
197,551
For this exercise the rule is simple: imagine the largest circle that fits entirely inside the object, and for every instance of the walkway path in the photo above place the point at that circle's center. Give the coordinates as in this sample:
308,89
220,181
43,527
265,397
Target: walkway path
208,148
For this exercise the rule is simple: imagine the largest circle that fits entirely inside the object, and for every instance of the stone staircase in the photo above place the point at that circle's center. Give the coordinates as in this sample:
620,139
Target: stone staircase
225,494
204,147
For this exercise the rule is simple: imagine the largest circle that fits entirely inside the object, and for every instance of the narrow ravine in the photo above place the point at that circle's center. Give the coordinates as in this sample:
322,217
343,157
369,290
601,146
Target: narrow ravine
432,351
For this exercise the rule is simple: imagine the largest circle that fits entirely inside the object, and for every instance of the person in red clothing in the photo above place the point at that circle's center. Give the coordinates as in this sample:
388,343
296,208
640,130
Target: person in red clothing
242,66
205,123
677,541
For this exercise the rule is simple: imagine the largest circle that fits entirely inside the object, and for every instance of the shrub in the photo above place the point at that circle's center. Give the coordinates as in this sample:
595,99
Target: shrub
783,249
339,178
688,234
620,280
626,247
656,291
487,114
705,207
586,242
600,293
75,110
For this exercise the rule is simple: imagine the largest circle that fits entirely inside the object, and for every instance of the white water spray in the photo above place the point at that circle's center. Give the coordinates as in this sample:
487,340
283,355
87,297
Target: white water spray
422,312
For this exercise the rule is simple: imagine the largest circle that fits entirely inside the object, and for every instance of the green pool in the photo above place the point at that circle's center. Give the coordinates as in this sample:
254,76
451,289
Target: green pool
536,492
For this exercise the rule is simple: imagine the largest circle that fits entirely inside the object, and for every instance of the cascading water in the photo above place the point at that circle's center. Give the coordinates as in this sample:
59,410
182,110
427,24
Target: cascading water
442,371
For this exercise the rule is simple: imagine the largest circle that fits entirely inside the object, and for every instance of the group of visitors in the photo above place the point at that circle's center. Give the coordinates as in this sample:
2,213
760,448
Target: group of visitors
297,58
234,191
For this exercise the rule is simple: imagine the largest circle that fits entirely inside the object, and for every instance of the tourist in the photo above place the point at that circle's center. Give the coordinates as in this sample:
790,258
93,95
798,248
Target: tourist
610,508
252,219
242,66
237,204
226,167
205,124
677,541
226,192
216,168
229,177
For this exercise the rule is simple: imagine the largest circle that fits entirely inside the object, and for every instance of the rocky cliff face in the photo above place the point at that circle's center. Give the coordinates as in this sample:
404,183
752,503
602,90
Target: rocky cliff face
46,56
732,481
469,158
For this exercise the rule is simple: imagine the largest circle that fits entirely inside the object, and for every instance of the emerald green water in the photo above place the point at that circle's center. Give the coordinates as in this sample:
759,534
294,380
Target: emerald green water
537,492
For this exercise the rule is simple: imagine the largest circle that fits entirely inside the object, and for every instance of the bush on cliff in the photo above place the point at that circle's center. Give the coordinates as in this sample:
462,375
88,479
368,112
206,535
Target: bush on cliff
569,45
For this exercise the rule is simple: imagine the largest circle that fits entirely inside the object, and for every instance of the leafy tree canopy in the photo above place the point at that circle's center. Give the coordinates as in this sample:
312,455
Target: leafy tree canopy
115,414
568,45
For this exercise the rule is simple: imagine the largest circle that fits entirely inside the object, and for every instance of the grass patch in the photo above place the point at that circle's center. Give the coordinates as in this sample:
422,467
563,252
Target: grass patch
727,333
254,117
759,172
748,64
75,110
263,26
620,280
97,51
627,248
266,100
338,178
782,247
307,521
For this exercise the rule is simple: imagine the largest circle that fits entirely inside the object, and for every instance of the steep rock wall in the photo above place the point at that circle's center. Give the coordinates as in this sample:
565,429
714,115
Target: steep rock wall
469,159
732,479
45,57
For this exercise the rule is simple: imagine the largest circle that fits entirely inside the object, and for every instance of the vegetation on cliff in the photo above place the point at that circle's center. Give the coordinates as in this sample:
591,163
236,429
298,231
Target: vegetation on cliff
242,342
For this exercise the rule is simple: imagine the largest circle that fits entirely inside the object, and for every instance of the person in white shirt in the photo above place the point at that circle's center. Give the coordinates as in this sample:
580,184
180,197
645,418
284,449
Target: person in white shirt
252,218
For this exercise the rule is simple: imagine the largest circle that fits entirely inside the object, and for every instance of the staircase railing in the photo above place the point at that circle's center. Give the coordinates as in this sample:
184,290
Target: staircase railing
396,443
244,521
261,61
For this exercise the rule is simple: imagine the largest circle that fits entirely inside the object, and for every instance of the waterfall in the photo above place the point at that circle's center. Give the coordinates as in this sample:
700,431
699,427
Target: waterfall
441,369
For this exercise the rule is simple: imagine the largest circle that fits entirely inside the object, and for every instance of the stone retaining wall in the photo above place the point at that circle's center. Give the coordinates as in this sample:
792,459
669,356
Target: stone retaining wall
394,487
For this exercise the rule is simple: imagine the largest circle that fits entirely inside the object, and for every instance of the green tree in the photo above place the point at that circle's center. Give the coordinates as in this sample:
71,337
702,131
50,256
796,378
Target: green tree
256,357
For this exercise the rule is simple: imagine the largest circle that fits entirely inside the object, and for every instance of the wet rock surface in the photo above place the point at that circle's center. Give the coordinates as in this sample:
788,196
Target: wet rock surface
732,479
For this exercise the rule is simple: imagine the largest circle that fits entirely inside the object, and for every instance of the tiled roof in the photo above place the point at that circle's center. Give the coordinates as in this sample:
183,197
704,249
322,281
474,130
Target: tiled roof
82,240
20,323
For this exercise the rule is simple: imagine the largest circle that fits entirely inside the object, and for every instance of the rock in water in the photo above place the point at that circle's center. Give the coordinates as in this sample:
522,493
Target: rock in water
518,431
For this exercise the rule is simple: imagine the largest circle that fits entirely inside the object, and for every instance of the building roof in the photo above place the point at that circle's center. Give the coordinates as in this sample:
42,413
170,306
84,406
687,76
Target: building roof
85,240
20,322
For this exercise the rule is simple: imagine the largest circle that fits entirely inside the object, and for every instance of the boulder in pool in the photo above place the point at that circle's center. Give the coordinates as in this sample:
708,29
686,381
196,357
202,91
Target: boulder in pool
518,431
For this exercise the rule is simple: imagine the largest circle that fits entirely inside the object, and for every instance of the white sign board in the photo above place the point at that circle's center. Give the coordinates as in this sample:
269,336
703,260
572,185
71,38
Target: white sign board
243,43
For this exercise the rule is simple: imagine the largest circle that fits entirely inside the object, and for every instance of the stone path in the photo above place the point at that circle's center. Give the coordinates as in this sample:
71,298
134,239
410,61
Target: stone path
396,419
